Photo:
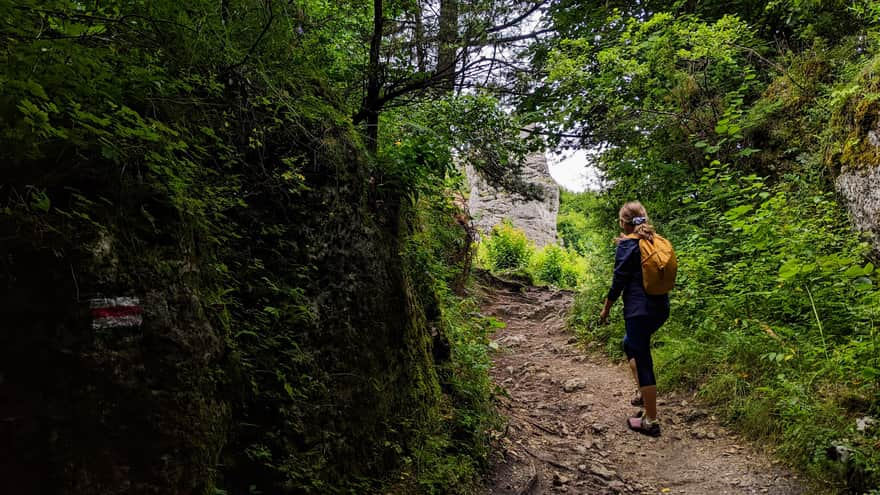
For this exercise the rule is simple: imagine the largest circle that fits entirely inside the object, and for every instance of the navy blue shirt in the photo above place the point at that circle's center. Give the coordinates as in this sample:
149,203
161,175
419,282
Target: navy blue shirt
628,281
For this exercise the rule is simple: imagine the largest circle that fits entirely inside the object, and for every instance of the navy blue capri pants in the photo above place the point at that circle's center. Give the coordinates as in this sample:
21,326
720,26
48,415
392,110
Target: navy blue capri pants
637,343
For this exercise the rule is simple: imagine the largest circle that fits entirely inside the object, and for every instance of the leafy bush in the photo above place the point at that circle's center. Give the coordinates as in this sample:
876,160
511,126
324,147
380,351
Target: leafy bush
506,248
556,265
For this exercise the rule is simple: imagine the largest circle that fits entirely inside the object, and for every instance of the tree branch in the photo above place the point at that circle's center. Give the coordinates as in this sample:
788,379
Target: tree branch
511,39
257,41
517,20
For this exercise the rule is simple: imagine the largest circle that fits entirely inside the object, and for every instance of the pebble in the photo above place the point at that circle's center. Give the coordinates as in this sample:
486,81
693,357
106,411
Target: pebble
865,423
616,485
559,480
574,384
695,415
602,471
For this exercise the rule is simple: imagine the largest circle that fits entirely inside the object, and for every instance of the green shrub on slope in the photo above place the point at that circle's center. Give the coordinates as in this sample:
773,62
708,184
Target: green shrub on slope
506,248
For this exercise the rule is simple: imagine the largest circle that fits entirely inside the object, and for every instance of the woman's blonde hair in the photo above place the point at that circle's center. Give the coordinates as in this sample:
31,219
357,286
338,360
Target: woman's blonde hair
634,213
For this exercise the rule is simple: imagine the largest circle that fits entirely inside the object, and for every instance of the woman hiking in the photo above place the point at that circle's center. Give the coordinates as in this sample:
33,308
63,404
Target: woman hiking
643,313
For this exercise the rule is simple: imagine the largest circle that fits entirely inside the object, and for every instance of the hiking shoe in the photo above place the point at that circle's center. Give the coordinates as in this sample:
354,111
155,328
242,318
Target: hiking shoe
641,425
637,401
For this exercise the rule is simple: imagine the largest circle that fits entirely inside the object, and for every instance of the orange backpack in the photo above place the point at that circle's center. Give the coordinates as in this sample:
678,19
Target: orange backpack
659,264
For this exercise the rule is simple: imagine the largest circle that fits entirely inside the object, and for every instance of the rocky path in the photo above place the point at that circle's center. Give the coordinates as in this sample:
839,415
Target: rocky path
566,407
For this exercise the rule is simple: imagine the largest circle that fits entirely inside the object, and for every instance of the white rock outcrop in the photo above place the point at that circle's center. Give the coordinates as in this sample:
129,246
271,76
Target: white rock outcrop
861,189
489,206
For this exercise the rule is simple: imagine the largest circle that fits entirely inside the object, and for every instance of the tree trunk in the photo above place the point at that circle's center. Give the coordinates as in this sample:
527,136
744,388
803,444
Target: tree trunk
448,39
421,49
374,79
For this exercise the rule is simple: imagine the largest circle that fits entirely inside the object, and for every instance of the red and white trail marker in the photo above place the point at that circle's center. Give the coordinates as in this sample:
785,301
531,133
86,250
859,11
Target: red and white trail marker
113,312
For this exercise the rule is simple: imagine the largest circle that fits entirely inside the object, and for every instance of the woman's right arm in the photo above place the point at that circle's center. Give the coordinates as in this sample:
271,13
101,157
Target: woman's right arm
621,275
622,270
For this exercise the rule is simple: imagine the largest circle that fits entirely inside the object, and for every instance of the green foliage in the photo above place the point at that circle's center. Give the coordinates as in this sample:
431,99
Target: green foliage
206,157
732,148
584,221
555,265
774,315
455,445
684,79
418,143
506,248
453,460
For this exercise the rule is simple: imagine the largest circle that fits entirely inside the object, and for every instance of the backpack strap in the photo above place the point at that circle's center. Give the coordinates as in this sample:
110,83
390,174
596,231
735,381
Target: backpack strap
636,237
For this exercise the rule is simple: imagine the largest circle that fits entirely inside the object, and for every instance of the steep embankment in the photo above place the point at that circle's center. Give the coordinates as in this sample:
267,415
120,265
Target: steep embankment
566,410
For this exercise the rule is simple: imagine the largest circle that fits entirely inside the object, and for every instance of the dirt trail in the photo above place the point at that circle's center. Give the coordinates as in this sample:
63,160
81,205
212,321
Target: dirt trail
567,410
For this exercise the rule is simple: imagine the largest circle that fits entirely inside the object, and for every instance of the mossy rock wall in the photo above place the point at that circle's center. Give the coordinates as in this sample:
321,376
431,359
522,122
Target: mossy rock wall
223,203
105,409
357,383
282,347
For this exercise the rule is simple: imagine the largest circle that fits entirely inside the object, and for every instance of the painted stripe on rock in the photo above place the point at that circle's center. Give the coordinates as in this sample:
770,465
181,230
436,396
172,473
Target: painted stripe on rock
114,312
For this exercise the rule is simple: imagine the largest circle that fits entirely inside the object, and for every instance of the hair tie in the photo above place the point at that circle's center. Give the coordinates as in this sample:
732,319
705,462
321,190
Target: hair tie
638,220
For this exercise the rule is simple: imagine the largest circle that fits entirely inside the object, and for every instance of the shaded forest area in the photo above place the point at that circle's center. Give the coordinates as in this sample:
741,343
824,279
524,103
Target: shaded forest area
233,253
219,277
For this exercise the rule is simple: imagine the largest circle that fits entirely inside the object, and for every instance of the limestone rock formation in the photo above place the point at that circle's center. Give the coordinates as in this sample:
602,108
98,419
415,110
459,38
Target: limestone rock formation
489,206
859,186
